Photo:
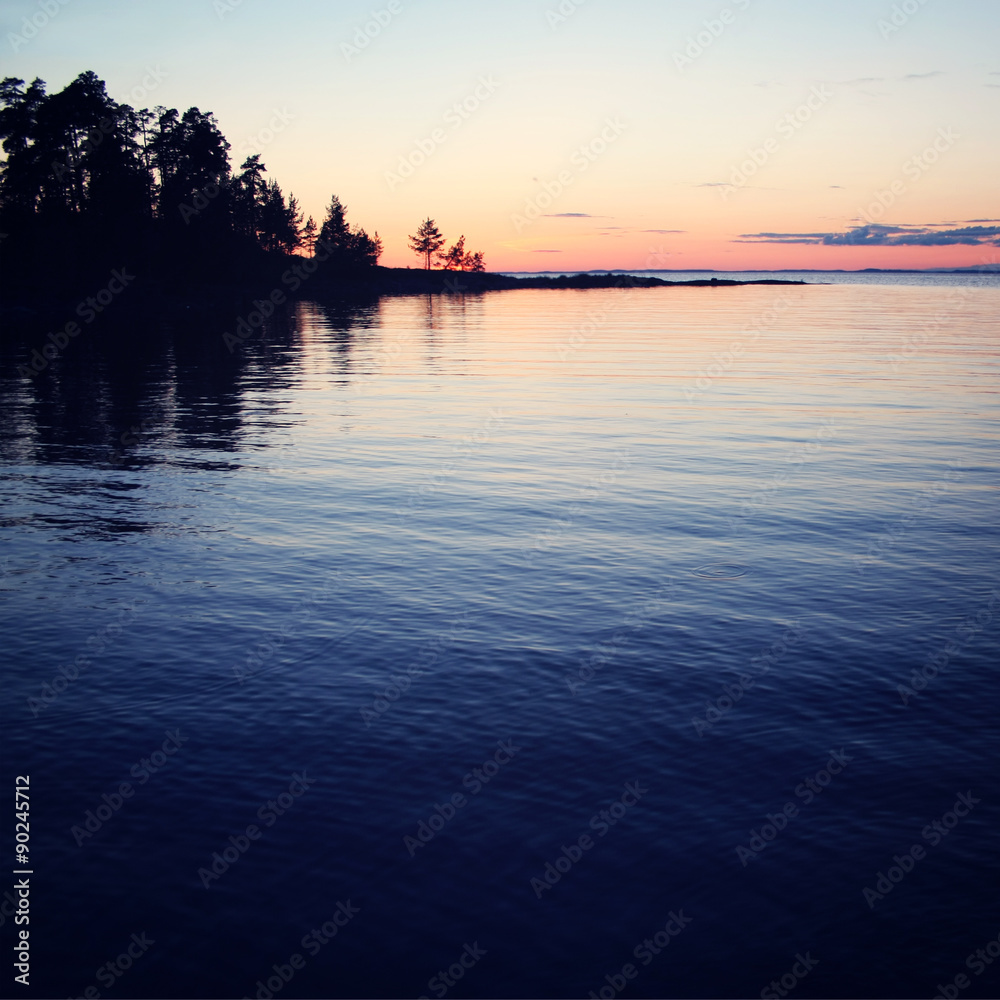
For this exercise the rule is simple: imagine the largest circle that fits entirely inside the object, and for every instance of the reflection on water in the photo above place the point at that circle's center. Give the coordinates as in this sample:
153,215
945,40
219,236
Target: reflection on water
695,538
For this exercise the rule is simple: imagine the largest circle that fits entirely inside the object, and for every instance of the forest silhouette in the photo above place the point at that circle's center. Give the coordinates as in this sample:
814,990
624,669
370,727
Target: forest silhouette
89,185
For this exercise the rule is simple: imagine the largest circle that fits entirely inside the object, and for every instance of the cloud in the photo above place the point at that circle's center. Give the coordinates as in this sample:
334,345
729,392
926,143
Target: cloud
546,251
886,236
663,232
838,186
726,184
923,76
572,215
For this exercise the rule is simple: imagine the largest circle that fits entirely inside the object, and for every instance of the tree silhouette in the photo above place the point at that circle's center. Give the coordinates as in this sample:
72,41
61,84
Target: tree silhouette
86,182
427,241
278,225
18,127
191,155
365,249
454,257
346,246
335,234
309,234
249,192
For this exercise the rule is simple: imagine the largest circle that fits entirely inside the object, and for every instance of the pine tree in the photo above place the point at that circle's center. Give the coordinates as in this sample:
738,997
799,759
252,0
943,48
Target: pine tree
454,258
346,246
335,234
309,234
427,241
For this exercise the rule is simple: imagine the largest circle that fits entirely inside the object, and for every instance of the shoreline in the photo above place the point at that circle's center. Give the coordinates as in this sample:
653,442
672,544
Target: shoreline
295,283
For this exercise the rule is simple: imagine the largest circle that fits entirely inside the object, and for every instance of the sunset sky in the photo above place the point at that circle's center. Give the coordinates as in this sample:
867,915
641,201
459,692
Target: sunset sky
577,134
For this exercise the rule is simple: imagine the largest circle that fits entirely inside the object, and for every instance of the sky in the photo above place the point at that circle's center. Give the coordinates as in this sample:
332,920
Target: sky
583,134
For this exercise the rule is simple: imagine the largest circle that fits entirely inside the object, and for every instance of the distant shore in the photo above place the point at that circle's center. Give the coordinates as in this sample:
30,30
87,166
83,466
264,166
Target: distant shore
284,278
403,281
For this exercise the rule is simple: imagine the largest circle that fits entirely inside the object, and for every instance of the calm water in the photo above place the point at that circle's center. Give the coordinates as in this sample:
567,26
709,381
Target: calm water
985,277
664,553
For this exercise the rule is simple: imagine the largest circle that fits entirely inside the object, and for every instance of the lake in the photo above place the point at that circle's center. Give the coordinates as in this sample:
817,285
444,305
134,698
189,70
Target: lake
633,642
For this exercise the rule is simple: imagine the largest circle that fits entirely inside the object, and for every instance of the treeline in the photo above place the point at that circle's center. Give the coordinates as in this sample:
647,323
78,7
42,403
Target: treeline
427,242
88,182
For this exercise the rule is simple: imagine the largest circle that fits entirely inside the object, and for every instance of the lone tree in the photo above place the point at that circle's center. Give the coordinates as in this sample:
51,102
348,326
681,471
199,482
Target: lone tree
427,241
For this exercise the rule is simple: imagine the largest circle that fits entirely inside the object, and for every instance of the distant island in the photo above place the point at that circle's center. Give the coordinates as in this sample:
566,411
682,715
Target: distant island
395,280
97,196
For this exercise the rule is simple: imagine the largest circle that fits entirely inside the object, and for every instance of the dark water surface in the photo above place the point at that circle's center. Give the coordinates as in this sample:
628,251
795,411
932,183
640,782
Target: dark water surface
671,554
